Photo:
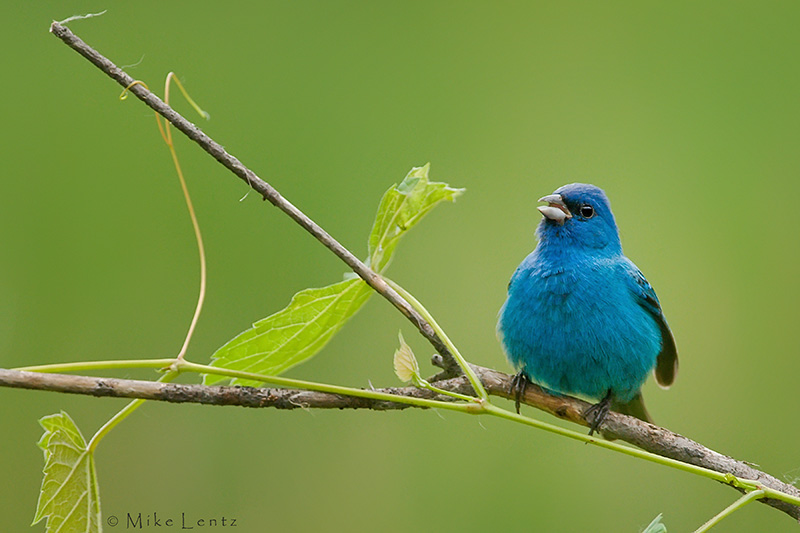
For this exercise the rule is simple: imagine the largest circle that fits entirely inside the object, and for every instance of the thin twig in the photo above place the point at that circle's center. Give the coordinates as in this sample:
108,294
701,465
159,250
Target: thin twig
617,426
263,188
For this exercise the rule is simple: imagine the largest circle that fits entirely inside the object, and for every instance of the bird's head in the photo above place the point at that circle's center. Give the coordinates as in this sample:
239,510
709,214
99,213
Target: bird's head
580,215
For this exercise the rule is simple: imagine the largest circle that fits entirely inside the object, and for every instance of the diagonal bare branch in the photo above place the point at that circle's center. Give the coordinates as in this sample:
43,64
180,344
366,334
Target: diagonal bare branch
263,188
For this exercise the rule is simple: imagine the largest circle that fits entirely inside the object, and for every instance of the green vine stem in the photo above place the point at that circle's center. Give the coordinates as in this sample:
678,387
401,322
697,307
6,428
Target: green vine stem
735,506
424,384
471,376
728,479
123,414
82,366
177,367
333,389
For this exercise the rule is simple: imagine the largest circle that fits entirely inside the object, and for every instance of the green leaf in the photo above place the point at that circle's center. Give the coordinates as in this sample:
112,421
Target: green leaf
69,499
406,366
401,207
656,526
292,335
296,333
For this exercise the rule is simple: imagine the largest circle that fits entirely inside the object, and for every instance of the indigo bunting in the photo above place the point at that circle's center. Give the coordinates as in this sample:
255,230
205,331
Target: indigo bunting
580,318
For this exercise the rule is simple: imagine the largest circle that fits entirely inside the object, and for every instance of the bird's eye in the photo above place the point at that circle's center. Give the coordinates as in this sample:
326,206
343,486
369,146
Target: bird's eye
587,211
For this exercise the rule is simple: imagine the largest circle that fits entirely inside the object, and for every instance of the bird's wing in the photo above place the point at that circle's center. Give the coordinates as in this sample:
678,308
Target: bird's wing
667,361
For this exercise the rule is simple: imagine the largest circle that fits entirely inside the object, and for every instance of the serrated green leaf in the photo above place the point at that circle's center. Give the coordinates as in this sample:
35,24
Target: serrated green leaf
292,335
70,498
296,333
401,207
406,366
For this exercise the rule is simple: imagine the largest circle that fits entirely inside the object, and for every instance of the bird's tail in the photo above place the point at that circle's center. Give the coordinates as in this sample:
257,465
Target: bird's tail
635,407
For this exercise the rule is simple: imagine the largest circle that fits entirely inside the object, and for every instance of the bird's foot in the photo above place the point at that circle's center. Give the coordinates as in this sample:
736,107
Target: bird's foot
596,414
518,385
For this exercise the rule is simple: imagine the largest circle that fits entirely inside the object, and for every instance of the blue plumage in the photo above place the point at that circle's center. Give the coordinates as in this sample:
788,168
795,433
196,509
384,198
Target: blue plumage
580,318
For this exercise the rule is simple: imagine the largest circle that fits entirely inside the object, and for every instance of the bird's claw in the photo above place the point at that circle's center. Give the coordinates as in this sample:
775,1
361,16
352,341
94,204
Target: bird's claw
517,388
596,414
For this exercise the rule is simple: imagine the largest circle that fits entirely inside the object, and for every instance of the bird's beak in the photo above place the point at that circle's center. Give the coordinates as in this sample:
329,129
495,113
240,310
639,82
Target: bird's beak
556,210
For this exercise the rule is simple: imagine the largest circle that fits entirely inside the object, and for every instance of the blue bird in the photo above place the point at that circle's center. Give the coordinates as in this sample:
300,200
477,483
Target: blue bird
580,318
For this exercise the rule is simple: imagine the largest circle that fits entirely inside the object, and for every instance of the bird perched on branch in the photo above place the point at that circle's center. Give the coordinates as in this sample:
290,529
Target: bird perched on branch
580,318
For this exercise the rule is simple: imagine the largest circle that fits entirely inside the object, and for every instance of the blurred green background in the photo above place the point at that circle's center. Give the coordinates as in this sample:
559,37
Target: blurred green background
686,113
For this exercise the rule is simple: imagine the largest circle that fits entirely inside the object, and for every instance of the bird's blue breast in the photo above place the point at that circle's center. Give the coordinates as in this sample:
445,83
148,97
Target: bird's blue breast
574,325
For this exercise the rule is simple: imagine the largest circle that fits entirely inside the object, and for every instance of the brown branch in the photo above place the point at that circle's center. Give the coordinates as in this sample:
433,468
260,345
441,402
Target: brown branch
263,188
616,426
648,437
209,395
